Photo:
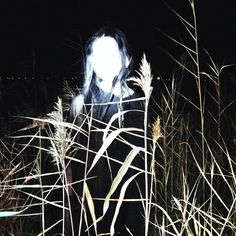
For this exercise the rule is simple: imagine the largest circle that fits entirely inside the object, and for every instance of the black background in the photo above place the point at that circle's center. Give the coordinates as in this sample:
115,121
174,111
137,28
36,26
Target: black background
53,32
41,45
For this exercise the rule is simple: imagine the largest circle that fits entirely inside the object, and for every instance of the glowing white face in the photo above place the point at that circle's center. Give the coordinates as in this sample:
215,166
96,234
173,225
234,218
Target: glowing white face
106,58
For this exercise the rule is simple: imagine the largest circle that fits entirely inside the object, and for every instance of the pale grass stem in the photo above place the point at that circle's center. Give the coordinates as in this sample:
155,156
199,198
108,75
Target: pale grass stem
144,81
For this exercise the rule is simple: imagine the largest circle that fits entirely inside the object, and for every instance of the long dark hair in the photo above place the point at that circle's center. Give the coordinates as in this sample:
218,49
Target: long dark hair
90,90
90,80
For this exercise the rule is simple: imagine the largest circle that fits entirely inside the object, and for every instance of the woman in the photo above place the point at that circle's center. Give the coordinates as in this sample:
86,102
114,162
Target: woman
104,105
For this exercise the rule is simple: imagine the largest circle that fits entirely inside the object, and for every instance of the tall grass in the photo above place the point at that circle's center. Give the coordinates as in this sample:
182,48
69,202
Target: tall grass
190,163
196,176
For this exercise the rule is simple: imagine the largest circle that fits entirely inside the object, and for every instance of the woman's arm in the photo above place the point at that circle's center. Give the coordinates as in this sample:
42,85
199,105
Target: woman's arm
76,106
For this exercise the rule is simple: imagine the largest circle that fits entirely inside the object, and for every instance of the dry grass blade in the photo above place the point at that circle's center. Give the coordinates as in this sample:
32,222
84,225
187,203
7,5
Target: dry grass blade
107,142
207,181
10,213
49,228
91,207
113,118
119,203
172,223
118,178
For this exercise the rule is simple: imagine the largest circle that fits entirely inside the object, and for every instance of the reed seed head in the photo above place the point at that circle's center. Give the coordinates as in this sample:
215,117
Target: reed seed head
156,130
145,77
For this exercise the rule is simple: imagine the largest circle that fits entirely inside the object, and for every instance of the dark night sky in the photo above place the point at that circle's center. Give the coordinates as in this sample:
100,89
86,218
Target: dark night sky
55,30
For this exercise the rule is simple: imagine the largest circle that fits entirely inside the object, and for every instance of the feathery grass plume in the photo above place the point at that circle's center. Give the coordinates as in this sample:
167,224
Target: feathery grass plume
144,81
145,77
61,140
68,95
156,130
